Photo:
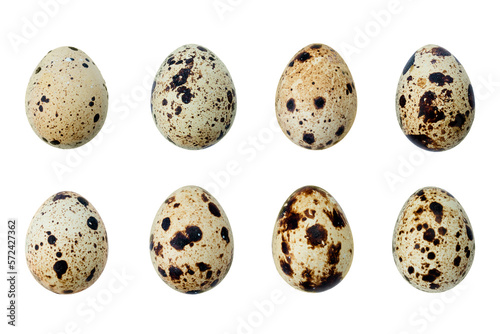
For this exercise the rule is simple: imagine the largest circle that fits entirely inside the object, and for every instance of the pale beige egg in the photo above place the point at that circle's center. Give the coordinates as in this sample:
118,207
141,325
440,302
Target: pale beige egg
66,99
312,241
191,241
193,99
435,102
433,243
66,244
316,99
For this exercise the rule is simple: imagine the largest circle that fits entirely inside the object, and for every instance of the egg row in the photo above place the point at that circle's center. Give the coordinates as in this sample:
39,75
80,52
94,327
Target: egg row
191,242
193,98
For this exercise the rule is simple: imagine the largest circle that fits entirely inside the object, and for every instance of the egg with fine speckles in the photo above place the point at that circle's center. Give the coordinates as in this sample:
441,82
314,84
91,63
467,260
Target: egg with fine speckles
316,98
193,99
435,102
66,244
66,99
191,242
433,243
312,241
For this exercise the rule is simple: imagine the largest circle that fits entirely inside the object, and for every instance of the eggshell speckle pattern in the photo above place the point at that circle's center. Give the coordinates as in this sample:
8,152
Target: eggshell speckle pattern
312,241
433,242
435,100
316,98
66,98
191,242
193,100
66,244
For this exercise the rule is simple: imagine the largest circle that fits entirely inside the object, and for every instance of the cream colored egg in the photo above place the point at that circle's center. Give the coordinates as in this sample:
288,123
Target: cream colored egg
66,98
66,244
433,243
191,242
316,98
193,100
435,101
312,241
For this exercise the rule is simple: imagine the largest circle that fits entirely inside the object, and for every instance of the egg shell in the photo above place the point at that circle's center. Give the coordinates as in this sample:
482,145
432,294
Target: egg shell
191,242
66,244
435,101
433,242
316,98
312,241
193,100
66,99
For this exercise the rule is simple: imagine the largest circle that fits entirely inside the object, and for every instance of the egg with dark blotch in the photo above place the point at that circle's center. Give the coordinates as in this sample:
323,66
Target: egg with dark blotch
66,99
316,98
66,244
435,100
433,243
193,99
191,242
312,241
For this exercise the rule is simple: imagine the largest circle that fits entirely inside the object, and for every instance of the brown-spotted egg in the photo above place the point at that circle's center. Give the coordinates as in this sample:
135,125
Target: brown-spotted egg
316,98
433,243
193,100
435,100
191,242
66,244
66,99
312,241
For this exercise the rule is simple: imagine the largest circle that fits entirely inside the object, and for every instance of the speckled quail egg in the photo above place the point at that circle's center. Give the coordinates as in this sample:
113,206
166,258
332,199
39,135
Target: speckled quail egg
435,100
66,98
433,244
191,242
66,244
312,241
316,98
193,100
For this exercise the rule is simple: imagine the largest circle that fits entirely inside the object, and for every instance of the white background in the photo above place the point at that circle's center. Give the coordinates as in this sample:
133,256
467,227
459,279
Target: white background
129,169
